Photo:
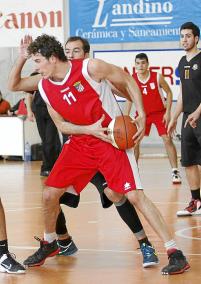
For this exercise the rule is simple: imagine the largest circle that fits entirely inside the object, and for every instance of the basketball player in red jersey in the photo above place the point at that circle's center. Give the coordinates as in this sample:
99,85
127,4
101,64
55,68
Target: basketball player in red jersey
72,91
79,48
158,111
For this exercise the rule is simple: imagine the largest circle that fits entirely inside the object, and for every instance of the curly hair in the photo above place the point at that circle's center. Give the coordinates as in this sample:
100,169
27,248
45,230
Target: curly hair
47,46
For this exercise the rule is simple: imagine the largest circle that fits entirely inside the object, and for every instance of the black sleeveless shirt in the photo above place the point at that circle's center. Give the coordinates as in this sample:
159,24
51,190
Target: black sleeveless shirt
190,76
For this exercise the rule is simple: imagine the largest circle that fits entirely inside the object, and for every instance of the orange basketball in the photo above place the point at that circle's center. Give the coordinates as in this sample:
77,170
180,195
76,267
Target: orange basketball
122,130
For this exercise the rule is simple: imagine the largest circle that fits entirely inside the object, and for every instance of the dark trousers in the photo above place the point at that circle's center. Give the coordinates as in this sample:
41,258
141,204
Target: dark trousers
51,144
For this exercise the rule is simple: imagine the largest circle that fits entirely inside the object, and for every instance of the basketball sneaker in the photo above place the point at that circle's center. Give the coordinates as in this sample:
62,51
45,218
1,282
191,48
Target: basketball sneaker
177,263
67,250
176,178
10,265
149,254
194,208
46,250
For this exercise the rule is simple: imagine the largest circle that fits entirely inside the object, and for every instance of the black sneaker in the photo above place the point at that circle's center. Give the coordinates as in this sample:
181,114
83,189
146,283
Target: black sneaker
176,178
44,173
10,265
46,250
67,250
177,264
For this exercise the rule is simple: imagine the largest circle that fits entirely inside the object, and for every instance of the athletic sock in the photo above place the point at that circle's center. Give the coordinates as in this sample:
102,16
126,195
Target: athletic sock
50,237
195,194
3,247
129,215
170,246
145,241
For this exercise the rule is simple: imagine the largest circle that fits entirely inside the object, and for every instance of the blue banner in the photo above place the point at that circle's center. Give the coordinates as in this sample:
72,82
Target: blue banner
116,21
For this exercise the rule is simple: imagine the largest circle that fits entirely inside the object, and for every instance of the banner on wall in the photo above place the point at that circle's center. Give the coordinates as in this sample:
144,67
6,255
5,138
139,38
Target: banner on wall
20,17
167,67
116,21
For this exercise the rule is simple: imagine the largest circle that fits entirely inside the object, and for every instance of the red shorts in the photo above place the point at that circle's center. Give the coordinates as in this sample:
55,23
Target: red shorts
157,119
82,156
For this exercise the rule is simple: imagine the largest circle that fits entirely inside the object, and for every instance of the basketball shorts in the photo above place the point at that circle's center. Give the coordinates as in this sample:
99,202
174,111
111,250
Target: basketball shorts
82,156
157,119
190,144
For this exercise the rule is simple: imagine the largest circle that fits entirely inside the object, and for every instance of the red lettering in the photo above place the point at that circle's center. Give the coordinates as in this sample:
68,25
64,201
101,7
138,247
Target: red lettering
26,20
40,16
11,23
30,20
167,72
52,19
154,68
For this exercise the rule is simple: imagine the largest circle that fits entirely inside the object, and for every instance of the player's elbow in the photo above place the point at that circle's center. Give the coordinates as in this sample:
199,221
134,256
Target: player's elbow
12,87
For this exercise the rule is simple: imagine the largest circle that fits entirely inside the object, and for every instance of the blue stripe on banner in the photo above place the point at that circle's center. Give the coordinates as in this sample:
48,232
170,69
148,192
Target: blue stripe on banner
117,21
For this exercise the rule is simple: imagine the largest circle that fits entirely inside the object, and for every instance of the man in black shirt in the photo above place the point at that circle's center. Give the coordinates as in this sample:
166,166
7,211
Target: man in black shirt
188,102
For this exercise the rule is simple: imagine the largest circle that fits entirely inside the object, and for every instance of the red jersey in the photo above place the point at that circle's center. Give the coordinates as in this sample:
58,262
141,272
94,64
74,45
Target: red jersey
81,100
4,107
152,93
78,98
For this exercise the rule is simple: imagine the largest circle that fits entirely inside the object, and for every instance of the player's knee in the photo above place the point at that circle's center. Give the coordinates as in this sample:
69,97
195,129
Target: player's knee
167,140
113,196
136,197
49,197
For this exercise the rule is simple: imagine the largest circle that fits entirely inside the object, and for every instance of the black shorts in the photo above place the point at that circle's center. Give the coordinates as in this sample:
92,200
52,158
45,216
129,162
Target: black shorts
190,144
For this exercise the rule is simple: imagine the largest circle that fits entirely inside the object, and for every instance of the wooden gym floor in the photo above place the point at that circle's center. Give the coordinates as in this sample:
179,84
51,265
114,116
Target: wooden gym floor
108,252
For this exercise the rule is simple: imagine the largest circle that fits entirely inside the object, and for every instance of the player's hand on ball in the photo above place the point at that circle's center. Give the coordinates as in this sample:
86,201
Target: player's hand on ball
98,131
140,122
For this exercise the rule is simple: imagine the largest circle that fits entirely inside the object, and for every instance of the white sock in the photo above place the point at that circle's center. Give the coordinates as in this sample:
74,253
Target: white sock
174,169
50,237
170,245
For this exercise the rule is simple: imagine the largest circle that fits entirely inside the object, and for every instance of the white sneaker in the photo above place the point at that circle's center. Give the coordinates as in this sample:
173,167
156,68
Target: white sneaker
194,208
176,178
10,265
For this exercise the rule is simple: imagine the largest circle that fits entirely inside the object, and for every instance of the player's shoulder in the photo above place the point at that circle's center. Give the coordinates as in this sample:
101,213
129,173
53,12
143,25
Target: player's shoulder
183,58
96,65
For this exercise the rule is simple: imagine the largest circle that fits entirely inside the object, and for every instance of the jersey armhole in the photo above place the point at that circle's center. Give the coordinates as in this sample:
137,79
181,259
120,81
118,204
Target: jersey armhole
42,92
95,85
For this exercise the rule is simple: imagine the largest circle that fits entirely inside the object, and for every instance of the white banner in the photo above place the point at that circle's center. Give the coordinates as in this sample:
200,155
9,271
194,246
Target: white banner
21,17
162,61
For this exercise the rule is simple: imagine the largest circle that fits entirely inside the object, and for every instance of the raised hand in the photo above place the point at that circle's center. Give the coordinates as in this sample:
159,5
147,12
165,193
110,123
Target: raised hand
25,42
